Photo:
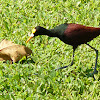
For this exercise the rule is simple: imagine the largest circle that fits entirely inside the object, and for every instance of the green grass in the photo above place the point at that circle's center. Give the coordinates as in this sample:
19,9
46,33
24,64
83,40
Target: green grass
37,80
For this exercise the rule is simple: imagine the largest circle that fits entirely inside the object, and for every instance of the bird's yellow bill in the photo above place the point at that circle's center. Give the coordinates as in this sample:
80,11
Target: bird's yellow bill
33,31
29,39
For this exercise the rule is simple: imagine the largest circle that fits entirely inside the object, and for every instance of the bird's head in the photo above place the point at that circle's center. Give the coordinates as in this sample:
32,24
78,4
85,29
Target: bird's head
35,32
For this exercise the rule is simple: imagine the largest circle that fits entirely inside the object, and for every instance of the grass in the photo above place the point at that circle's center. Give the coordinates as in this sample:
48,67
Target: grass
37,80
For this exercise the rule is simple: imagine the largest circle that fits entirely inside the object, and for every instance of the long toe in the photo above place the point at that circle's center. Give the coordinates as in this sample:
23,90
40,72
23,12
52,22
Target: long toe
95,72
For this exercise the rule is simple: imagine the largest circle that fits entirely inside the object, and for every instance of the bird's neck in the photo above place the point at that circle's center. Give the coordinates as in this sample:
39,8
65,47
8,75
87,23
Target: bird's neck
53,33
47,32
58,31
50,32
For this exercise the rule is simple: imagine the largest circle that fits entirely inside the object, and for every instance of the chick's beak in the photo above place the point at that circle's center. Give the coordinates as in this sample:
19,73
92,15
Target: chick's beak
31,36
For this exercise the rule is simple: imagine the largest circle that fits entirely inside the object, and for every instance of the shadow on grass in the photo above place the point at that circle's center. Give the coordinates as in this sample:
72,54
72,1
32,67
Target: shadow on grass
86,73
26,61
89,73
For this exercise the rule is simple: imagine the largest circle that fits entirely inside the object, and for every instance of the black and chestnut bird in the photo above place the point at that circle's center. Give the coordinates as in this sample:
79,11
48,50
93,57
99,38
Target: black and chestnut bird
72,34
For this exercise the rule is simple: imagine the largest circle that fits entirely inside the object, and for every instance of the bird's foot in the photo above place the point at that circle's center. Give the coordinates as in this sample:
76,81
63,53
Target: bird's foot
92,74
95,71
65,66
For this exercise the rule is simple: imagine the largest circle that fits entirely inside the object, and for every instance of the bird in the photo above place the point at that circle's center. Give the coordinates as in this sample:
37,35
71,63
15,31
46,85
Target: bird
71,34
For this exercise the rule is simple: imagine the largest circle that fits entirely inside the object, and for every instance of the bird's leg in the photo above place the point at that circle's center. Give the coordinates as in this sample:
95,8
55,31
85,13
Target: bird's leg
70,63
72,58
95,71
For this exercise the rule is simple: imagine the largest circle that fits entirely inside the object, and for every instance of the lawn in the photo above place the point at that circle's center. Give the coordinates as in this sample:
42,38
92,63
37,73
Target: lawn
36,79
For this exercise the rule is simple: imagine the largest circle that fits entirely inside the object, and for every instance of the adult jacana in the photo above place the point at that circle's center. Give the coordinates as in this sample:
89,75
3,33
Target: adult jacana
72,34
